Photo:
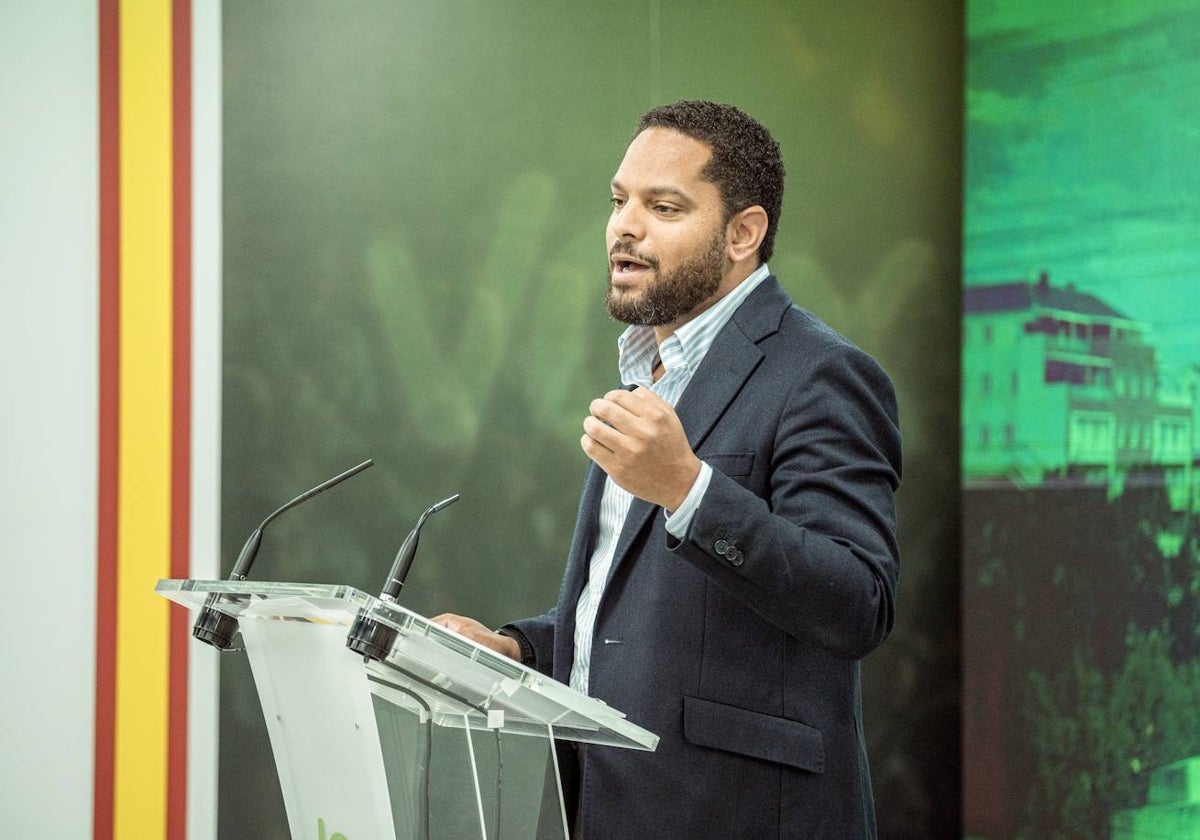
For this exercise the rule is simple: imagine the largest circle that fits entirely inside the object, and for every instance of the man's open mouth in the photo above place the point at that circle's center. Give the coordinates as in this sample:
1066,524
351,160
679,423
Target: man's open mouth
623,264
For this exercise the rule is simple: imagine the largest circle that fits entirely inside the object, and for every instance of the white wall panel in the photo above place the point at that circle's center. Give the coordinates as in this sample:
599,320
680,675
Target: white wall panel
48,425
206,403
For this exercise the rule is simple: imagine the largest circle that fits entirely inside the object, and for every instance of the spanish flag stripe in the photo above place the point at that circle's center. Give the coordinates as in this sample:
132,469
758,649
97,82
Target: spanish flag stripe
146,413
108,415
181,411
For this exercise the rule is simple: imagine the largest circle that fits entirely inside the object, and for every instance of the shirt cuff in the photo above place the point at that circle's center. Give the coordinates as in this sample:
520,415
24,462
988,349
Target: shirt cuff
678,522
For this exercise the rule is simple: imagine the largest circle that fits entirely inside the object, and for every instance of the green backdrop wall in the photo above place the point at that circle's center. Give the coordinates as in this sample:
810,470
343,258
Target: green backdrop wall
415,196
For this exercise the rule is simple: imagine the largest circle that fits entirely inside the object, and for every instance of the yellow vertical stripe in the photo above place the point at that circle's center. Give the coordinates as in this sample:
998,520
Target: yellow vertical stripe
145,426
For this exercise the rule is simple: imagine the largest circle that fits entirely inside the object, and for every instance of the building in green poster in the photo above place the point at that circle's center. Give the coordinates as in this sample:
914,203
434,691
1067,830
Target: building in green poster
1058,385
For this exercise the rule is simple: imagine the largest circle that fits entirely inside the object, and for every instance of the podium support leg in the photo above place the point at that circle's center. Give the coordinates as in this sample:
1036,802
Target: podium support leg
475,777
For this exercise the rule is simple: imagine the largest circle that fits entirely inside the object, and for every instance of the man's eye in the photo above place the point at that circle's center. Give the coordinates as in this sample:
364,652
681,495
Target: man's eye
665,209
617,203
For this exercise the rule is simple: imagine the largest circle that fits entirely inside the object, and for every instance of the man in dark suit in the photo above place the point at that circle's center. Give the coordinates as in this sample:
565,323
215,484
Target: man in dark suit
735,552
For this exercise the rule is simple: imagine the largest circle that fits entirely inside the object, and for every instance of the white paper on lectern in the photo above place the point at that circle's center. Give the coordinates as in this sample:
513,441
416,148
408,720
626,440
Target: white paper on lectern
317,703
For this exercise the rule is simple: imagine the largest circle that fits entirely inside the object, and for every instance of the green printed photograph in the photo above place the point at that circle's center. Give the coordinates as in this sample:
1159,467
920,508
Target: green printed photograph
1080,378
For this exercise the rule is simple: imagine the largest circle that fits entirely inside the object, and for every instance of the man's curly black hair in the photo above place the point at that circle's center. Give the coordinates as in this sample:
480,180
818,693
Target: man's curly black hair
746,164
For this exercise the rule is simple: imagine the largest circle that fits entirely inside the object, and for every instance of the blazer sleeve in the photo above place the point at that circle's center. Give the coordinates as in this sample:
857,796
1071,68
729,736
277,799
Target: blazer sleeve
539,633
818,555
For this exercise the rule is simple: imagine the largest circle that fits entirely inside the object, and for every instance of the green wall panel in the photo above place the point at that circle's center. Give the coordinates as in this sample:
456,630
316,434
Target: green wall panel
415,198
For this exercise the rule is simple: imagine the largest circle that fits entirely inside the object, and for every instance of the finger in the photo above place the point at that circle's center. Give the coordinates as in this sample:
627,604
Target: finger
450,621
629,400
468,627
610,412
639,402
604,435
598,453
589,446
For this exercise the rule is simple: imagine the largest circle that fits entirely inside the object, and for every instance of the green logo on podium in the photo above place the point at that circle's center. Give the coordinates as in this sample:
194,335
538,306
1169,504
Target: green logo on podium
337,835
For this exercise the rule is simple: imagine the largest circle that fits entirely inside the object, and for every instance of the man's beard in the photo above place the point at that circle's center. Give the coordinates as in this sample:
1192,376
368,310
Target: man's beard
670,295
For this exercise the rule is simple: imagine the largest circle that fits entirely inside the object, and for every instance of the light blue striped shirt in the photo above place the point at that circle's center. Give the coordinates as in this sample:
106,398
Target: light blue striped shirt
681,353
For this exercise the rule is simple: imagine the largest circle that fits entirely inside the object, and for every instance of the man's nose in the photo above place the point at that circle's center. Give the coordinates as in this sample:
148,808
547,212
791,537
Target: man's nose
627,222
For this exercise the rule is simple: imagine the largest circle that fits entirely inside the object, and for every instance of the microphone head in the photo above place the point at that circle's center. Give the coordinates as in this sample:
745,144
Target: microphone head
444,503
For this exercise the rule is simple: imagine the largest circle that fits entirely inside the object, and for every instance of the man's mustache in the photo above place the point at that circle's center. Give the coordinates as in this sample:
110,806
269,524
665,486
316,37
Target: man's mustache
622,247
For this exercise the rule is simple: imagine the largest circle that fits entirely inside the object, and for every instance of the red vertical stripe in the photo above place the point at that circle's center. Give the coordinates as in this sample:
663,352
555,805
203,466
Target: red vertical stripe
109,416
181,408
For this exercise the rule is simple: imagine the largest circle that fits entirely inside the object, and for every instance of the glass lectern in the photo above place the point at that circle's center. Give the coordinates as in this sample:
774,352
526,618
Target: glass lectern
437,739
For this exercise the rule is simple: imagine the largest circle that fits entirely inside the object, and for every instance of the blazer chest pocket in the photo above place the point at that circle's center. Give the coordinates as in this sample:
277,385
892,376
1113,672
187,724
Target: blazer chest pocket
735,465
707,723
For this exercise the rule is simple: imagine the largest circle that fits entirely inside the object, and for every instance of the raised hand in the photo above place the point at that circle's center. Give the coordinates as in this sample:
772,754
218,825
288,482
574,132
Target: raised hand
636,437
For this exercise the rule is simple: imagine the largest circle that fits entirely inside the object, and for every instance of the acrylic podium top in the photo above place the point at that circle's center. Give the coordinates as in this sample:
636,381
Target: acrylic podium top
458,682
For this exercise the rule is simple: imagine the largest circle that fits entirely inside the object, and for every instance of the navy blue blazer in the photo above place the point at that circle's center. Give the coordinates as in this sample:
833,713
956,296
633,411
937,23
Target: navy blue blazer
740,644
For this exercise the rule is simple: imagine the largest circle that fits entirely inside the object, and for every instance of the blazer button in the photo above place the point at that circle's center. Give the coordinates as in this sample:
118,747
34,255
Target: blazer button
721,547
734,557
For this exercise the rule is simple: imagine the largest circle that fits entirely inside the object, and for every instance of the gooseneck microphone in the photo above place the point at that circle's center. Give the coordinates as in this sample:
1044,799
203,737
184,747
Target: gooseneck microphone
217,628
408,550
242,567
373,639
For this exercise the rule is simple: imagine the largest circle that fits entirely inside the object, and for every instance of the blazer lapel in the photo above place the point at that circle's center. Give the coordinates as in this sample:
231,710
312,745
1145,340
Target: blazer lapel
730,360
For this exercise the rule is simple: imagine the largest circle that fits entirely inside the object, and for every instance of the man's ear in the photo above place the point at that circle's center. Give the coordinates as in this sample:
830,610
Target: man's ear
745,232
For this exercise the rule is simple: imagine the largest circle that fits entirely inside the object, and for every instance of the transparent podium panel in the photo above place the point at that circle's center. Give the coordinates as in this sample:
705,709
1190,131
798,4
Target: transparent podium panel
448,783
431,737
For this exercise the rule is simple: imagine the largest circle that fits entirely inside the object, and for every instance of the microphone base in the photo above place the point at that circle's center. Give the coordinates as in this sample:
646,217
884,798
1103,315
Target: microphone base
370,638
215,628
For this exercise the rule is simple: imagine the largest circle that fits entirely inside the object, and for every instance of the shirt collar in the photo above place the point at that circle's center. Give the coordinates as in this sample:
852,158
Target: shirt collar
687,346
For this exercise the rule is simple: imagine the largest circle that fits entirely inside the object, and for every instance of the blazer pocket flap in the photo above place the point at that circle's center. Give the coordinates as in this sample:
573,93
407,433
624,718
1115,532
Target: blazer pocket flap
733,464
724,727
